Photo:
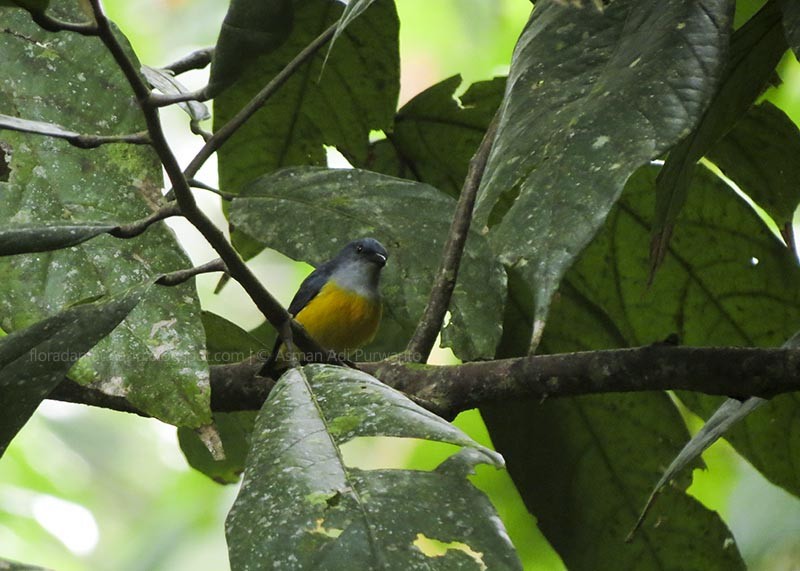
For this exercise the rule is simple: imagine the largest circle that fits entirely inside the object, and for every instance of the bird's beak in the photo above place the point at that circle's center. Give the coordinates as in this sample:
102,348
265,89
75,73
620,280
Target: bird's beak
379,259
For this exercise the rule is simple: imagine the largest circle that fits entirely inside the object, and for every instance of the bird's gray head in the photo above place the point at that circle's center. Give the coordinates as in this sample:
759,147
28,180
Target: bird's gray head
358,265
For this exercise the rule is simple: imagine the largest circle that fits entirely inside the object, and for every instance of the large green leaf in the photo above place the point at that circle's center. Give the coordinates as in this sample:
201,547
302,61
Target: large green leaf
584,467
302,507
726,279
435,135
755,50
591,96
352,11
310,213
36,359
739,288
155,357
355,93
250,28
760,156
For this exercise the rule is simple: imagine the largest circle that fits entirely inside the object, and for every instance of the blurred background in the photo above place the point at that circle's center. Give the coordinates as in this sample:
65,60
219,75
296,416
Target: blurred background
86,489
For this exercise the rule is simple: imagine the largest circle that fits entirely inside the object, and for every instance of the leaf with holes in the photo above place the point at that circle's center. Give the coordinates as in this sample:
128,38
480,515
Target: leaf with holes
302,507
155,358
591,96
37,358
310,213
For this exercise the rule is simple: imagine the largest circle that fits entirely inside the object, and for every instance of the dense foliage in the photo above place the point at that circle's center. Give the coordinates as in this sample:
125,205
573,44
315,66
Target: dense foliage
613,173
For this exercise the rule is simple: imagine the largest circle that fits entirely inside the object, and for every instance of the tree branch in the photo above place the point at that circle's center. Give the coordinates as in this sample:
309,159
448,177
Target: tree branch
134,229
421,343
726,371
237,269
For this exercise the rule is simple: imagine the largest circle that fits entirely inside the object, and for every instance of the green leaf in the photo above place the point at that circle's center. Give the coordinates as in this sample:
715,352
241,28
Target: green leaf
591,96
250,29
28,238
435,135
760,156
235,429
155,358
352,11
726,280
34,360
226,342
756,48
355,93
791,24
302,507
310,213
764,422
584,467
739,288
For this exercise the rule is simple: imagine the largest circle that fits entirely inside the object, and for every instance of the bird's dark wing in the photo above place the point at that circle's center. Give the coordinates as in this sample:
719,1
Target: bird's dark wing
307,291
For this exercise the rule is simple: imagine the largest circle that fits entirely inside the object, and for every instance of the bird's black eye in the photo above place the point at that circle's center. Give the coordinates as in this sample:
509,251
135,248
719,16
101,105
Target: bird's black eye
359,249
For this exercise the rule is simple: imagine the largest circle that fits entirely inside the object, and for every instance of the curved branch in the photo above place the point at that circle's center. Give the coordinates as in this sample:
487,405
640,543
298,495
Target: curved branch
729,371
421,343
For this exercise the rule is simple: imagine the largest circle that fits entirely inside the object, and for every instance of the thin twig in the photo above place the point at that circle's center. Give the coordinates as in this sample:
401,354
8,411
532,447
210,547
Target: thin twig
94,141
162,100
136,228
227,196
180,276
55,25
421,344
227,130
238,270
196,60
55,131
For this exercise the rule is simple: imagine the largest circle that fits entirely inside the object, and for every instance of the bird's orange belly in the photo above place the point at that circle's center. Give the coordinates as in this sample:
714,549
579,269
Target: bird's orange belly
340,319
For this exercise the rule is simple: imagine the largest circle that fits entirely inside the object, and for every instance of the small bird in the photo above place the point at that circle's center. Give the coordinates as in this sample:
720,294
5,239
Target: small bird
339,303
